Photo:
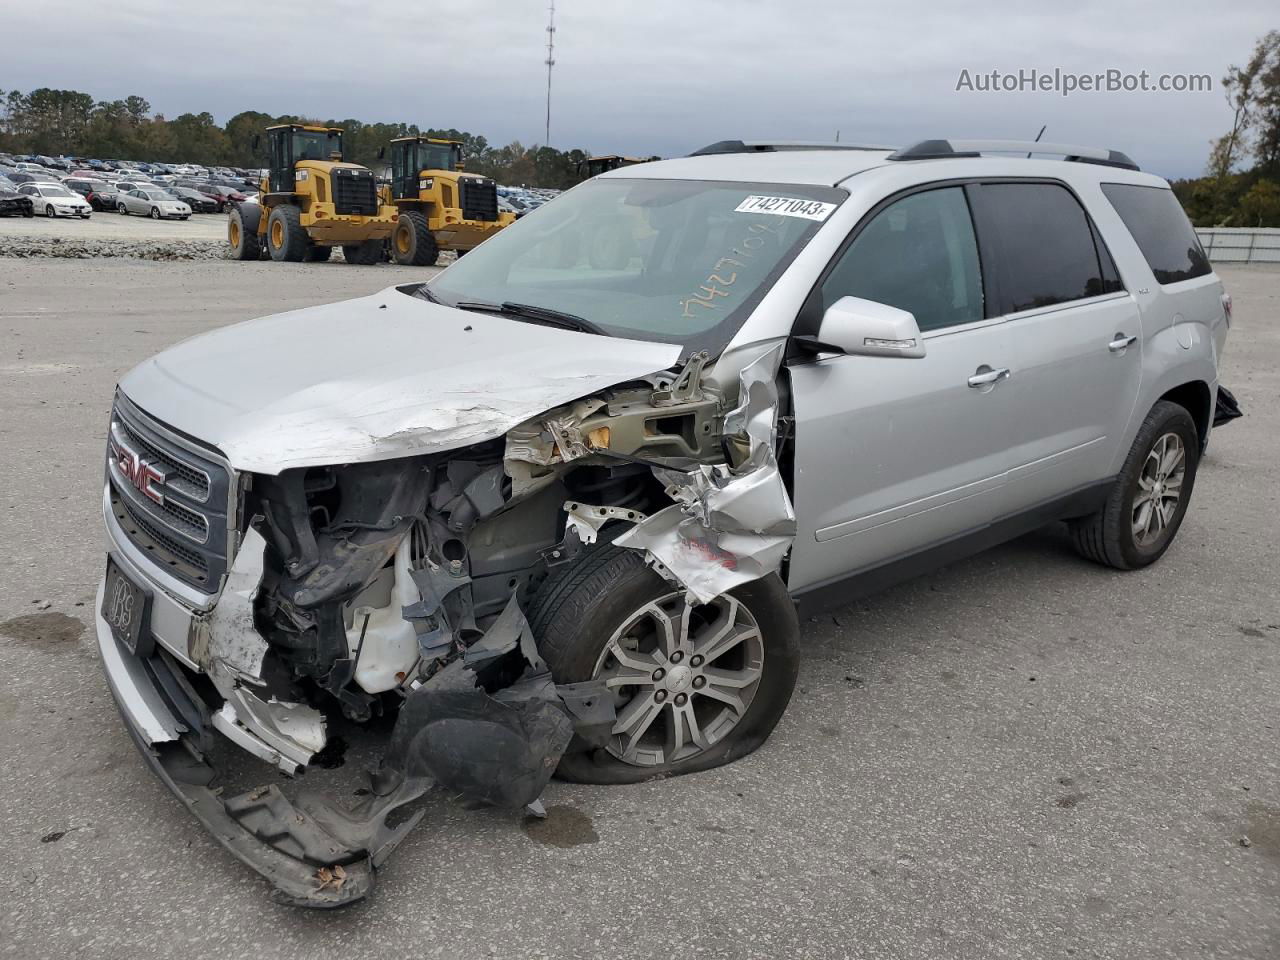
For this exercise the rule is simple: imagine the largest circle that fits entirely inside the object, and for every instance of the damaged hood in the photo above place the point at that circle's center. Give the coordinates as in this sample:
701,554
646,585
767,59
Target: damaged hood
383,376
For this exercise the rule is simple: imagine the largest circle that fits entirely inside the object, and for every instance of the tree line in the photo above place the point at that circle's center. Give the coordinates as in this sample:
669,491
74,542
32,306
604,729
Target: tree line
70,123
1241,185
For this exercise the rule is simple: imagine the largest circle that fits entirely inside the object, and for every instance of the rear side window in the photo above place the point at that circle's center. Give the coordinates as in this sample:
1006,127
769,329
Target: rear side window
917,254
1044,245
1161,230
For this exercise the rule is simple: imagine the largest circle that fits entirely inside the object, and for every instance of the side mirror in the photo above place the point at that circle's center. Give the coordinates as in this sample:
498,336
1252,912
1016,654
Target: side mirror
865,328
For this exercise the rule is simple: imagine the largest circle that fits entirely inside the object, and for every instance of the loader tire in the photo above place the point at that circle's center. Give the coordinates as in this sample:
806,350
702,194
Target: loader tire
242,232
286,239
363,254
413,244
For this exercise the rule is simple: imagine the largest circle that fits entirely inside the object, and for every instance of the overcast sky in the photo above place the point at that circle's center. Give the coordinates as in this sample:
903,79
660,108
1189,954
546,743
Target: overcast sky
658,76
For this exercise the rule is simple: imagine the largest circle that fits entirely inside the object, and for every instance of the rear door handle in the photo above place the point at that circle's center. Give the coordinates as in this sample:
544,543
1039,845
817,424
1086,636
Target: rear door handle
986,376
1121,342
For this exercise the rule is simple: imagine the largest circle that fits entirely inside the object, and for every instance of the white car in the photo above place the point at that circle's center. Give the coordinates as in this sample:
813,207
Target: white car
154,203
55,200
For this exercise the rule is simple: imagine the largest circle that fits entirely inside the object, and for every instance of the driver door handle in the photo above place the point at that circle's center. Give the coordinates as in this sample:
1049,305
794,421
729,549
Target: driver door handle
985,375
1121,342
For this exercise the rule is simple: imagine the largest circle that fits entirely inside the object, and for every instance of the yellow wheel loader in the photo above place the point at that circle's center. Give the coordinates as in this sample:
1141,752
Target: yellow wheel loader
311,202
440,207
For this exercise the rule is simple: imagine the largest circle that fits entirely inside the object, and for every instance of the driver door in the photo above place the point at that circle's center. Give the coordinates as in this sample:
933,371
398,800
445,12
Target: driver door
894,455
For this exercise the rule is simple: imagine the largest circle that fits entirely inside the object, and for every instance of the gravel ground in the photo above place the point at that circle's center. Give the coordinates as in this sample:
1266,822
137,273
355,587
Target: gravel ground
1020,756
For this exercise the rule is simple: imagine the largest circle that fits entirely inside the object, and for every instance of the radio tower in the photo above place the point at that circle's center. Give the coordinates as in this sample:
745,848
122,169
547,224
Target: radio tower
551,62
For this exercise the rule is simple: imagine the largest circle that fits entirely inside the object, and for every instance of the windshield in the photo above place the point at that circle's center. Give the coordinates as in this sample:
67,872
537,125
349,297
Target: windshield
675,261
156,195
55,192
436,156
315,145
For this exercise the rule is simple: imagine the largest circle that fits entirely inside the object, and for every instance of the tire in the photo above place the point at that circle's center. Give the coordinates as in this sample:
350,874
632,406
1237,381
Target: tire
1111,535
48,211
363,254
412,243
155,213
286,240
122,210
318,254
242,233
577,613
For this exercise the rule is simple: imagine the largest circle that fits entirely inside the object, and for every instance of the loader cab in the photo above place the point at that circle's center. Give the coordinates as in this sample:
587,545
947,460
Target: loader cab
411,156
290,143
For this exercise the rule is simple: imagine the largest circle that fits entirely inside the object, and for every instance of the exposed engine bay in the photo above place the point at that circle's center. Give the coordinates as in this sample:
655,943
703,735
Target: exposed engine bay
399,588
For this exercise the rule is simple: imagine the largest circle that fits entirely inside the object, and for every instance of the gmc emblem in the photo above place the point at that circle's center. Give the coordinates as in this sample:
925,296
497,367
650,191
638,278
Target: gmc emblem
144,475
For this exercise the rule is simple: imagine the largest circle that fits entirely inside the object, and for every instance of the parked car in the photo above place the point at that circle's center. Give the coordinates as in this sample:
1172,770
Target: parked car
13,203
559,508
197,201
100,194
154,203
55,200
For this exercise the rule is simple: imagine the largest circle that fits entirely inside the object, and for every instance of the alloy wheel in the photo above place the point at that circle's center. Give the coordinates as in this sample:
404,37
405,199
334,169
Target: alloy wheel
682,675
1159,490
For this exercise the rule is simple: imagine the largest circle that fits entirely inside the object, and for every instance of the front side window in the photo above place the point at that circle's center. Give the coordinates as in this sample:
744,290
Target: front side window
677,261
1043,244
1164,235
918,254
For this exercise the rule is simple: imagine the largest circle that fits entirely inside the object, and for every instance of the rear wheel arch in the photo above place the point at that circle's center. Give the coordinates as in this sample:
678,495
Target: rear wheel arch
1196,398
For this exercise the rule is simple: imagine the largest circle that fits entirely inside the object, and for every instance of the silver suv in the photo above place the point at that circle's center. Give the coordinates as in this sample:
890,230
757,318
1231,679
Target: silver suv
555,508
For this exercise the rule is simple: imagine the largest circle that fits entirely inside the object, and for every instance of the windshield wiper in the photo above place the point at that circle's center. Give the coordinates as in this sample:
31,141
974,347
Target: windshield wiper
535,314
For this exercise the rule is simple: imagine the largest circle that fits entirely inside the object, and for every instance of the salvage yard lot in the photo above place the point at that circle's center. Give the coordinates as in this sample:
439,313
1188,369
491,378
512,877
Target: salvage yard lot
1020,756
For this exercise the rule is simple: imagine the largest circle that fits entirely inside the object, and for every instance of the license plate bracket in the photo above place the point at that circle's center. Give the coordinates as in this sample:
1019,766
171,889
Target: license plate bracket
127,609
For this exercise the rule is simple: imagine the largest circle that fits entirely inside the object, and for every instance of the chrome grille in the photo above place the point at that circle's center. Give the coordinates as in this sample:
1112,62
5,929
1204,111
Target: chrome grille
170,495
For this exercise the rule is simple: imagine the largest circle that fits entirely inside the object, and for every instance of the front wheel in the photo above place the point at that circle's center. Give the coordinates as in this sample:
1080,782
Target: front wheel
694,685
412,243
122,210
48,210
1149,498
155,213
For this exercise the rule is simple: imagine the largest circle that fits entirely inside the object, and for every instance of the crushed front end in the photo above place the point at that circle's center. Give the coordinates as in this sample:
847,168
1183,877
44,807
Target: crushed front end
261,607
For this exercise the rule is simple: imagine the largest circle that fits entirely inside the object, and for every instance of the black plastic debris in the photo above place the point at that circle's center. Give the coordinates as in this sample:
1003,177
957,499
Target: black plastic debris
1227,408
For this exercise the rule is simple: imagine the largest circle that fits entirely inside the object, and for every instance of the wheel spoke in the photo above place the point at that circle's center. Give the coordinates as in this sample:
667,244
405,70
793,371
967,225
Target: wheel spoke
635,719
1172,458
732,679
1142,519
1143,496
726,696
673,631
630,659
683,732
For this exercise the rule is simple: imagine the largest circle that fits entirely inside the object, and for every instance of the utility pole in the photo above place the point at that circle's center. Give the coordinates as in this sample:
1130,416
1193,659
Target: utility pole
551,62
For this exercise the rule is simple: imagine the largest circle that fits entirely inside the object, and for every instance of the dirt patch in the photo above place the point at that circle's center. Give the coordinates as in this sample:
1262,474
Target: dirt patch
561,827
1070,800
54,632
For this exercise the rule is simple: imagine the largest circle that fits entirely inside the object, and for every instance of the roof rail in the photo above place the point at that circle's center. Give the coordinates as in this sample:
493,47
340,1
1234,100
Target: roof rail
774,146
950,149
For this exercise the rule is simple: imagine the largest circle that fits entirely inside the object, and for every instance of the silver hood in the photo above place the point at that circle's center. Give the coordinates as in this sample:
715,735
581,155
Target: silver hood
383,376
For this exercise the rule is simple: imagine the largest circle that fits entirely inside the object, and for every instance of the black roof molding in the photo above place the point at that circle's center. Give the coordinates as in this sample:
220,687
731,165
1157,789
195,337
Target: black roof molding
775,146
951,149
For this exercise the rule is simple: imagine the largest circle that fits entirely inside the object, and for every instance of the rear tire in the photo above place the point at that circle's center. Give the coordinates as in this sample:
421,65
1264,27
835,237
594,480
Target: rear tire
242,233
1148,500
363,254
412,243
286,240
577,616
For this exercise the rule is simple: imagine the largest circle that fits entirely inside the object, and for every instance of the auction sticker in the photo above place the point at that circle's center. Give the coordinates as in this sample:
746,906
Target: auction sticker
786,207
